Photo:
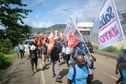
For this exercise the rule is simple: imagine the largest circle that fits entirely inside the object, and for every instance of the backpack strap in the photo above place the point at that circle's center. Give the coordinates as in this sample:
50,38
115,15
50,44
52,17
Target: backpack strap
74,68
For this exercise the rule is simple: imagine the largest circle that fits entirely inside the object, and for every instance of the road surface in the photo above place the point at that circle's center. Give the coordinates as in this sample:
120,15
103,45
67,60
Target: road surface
20,72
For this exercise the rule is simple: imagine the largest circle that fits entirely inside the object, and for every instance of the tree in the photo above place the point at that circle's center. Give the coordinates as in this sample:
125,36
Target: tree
12,13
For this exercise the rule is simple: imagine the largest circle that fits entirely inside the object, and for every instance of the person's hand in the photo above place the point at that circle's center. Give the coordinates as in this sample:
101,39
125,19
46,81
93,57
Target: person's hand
116,72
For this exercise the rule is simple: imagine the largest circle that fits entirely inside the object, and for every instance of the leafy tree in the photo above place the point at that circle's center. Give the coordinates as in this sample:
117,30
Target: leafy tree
12,13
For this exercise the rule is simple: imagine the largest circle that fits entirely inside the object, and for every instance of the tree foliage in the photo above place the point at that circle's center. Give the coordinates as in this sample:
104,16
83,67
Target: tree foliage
12,13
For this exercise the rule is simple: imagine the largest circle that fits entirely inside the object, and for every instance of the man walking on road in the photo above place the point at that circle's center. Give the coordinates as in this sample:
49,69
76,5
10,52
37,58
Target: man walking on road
21,50
121,66
17,49
55,62
44,56
26,50
33,57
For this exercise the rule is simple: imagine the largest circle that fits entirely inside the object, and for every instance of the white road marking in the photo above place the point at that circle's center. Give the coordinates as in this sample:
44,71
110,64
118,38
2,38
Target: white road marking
42,74
111,76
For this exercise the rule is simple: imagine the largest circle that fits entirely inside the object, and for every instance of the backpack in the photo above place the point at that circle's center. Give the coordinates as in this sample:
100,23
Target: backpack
33,54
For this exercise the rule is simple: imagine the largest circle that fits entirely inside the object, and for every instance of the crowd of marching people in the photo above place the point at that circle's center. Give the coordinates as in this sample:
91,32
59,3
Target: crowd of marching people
77,58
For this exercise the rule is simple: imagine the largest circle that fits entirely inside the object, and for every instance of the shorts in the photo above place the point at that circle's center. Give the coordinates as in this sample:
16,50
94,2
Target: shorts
34,61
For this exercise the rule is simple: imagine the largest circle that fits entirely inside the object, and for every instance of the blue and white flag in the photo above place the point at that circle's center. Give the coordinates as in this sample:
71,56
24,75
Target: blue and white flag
109,26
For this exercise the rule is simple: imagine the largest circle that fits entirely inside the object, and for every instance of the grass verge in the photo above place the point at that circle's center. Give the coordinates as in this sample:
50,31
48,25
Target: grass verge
5,61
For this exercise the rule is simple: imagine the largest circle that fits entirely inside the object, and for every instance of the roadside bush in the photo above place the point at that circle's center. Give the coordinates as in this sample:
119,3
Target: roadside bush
4,61
112,49
5,46
95,47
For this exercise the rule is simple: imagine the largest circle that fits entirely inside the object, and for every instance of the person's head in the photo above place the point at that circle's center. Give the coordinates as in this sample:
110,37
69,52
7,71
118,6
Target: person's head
80,60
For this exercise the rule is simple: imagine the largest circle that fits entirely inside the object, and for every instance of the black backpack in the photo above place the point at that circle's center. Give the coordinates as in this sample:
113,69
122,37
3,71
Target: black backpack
33,54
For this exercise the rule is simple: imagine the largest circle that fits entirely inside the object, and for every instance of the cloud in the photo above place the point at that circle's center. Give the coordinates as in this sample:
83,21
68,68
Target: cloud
34,3
84,10
121,5
41,24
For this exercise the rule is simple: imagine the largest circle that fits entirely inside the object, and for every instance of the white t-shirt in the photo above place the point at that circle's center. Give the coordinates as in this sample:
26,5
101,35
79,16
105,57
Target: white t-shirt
68,50
21,46
26,46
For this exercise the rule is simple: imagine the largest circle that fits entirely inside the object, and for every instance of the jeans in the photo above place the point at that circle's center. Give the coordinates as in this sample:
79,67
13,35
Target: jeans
124,76
55,68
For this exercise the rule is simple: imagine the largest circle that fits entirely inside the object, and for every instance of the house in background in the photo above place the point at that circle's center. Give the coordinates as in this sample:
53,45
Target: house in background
85,28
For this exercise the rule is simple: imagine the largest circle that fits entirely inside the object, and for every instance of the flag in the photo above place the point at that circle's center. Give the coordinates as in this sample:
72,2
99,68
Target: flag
70,27
72,34
110,29
72,41
51,43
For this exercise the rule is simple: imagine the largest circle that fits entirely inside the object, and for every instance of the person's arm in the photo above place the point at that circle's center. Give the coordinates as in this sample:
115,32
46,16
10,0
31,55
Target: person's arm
69,81
70,76
117,66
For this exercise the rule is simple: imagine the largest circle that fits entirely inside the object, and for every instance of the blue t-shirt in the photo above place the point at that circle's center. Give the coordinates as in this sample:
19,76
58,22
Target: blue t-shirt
17,48
81,75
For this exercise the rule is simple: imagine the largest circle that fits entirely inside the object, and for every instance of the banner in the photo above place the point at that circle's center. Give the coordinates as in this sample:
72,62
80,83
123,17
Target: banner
70,27
72,34
51,42
72,41
110,29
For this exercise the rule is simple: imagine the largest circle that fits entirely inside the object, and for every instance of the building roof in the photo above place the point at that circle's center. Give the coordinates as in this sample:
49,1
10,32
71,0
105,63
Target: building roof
85,24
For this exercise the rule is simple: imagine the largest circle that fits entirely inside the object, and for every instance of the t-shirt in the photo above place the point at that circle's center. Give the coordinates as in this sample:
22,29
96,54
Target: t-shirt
17,48
33,54
55,54
81,75
26,47
68,50
21,47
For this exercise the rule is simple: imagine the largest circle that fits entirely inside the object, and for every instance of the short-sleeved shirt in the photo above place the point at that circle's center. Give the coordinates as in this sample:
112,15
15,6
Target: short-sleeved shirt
81,75
17,48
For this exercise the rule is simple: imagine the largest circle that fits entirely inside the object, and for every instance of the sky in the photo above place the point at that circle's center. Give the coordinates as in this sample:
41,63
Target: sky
49,12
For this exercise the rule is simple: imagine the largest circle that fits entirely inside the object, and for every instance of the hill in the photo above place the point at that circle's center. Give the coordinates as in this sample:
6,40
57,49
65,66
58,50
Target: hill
59,27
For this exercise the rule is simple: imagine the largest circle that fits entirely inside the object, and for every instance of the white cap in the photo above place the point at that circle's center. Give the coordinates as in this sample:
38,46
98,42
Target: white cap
32,47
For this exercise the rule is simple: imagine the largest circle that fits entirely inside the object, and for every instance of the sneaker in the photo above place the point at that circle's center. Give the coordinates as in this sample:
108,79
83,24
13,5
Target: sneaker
58,80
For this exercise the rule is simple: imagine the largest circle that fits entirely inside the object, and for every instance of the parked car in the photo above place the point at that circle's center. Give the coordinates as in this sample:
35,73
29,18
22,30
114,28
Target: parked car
28,41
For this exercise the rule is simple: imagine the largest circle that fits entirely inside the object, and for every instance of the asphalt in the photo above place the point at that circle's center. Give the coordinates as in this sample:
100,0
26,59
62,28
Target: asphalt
20,72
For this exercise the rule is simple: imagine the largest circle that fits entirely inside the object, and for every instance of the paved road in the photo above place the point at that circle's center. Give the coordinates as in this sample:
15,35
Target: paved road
20,73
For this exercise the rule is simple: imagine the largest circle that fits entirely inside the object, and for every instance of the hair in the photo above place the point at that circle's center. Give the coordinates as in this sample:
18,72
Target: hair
79,54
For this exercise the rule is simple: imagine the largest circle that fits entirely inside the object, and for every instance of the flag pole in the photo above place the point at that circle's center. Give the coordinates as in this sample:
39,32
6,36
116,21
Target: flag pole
87,57
123,36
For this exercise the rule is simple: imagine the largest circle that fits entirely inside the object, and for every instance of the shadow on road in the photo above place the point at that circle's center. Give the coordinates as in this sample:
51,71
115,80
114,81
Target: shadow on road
63,73
96,82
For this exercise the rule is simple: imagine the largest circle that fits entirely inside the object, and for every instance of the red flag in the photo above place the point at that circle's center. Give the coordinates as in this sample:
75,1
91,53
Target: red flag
72,41
51,43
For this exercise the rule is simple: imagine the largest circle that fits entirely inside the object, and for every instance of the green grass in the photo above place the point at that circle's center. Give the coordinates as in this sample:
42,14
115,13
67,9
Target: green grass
5,61
109,49
113,50
12,51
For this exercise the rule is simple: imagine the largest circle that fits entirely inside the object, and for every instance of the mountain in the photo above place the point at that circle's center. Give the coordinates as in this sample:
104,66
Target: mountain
59,27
